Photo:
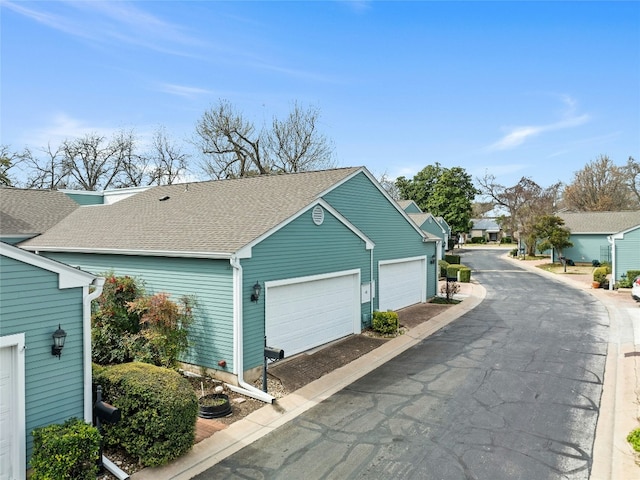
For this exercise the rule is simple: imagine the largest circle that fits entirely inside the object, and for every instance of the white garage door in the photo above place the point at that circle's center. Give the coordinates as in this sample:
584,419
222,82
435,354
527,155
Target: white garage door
402,283
306,312
12,430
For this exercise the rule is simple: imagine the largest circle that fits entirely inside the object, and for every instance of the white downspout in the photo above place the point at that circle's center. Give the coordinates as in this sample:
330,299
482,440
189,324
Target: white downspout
98,283
372,288
612,241
238,365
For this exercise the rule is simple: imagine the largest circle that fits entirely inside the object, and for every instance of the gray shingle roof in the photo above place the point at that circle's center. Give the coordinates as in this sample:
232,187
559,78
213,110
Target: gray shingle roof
486,224
30,212
600,222
218,216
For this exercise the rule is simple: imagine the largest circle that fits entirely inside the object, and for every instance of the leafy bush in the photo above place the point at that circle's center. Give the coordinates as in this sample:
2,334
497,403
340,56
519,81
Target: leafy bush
626,280
452,270
453,259
478,240
634,439
514,252
600,274
68,451
443,264
158,408
385,323
506,240
465,275
129,326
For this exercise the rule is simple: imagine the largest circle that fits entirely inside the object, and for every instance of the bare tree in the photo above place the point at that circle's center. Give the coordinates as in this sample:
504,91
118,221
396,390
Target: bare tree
524,203
48,172
295,145
389,186
8,160
234,147
600,186
94,163
169,161
632,178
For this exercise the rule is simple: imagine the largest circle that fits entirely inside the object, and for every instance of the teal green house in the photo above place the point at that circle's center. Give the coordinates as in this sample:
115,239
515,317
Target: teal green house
294,261
39,296
436,227
612,237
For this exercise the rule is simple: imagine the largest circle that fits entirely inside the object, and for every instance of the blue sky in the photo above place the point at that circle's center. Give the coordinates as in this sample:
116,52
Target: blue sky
514,89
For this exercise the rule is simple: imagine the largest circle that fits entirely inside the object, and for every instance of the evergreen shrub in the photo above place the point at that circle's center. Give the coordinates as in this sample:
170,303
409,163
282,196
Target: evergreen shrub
465,275
159,410
454,259
385,323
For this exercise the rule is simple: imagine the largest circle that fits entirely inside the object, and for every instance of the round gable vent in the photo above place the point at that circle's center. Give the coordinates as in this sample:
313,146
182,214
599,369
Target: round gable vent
318,215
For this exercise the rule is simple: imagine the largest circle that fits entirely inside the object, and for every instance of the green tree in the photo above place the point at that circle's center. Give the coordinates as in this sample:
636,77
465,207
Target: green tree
443,192
550,233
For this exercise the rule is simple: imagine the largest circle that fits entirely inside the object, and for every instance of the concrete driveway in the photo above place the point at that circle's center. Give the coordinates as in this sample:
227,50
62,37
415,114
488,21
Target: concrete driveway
510,390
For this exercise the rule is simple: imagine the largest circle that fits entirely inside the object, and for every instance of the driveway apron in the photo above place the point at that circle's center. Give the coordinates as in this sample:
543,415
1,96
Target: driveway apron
510,390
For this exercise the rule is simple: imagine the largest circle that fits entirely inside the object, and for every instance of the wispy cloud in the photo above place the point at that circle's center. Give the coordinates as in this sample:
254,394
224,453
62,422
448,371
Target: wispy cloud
110,22
60,127
518,135
183,90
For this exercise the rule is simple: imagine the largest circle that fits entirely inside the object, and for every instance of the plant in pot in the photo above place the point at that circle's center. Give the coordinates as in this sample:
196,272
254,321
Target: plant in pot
599,277
214,405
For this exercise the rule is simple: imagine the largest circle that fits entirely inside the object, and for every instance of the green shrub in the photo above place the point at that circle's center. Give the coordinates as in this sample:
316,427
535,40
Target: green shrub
634,439
453,259
158,408
514,252
626,280
442,265
478,240
452,270
68,451
506,240
600,274
385,323
465,275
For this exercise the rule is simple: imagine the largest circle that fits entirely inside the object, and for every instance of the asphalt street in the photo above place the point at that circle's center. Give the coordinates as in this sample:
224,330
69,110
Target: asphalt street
510,390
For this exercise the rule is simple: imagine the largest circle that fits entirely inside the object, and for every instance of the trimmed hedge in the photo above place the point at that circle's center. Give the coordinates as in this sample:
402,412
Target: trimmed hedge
465,275
443,264
452,259
385,322
65,452
159,410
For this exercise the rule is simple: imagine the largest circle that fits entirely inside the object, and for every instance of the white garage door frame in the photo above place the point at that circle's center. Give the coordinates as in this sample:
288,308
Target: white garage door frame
399,288
13,456
308,316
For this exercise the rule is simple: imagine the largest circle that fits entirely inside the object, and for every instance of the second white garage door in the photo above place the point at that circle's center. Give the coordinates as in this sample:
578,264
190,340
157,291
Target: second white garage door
303,313
402,283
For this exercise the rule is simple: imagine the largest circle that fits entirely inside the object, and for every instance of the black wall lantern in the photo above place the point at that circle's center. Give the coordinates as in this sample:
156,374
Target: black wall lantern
433,259
256,292
59,336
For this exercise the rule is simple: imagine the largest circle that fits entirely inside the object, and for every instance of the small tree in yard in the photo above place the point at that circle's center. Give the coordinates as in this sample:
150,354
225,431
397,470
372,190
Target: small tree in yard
549,229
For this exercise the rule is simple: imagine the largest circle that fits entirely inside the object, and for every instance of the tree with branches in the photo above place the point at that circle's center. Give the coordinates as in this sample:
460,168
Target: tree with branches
601,186
233,147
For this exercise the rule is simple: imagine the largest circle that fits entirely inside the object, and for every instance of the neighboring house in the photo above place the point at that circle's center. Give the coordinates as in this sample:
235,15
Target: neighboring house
486,228
606,237
324,250
27,213
37,295
428,223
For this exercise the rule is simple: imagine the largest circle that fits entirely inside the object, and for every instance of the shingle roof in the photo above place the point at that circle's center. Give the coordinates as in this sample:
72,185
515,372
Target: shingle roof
30,212
420,219
600,222
486,224
218,216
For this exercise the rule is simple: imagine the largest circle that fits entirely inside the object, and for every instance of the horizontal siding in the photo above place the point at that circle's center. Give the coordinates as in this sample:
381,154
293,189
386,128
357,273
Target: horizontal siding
628,252
586,247
394,236
210,281
299,249
31,303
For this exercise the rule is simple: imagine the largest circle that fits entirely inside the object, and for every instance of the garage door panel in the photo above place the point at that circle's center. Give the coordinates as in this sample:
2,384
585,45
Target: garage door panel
302,315
402,284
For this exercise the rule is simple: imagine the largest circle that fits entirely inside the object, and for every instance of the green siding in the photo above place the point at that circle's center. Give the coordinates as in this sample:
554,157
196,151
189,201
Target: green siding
586,247
299,249
412,208
371,212
86,198
210,281
628,252
31,303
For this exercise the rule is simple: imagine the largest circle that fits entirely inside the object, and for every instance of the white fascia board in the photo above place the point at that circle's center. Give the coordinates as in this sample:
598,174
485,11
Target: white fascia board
68,277
245,252
620,235
134,252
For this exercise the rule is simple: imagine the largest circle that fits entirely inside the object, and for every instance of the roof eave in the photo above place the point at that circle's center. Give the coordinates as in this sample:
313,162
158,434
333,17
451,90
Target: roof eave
133,252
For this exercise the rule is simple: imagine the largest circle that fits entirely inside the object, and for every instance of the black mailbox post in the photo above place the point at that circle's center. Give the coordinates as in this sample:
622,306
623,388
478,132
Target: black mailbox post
103,412
270,353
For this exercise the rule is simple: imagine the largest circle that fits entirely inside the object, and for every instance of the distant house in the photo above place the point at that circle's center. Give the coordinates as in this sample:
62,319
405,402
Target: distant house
38,295
297,259
486,228
612,237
